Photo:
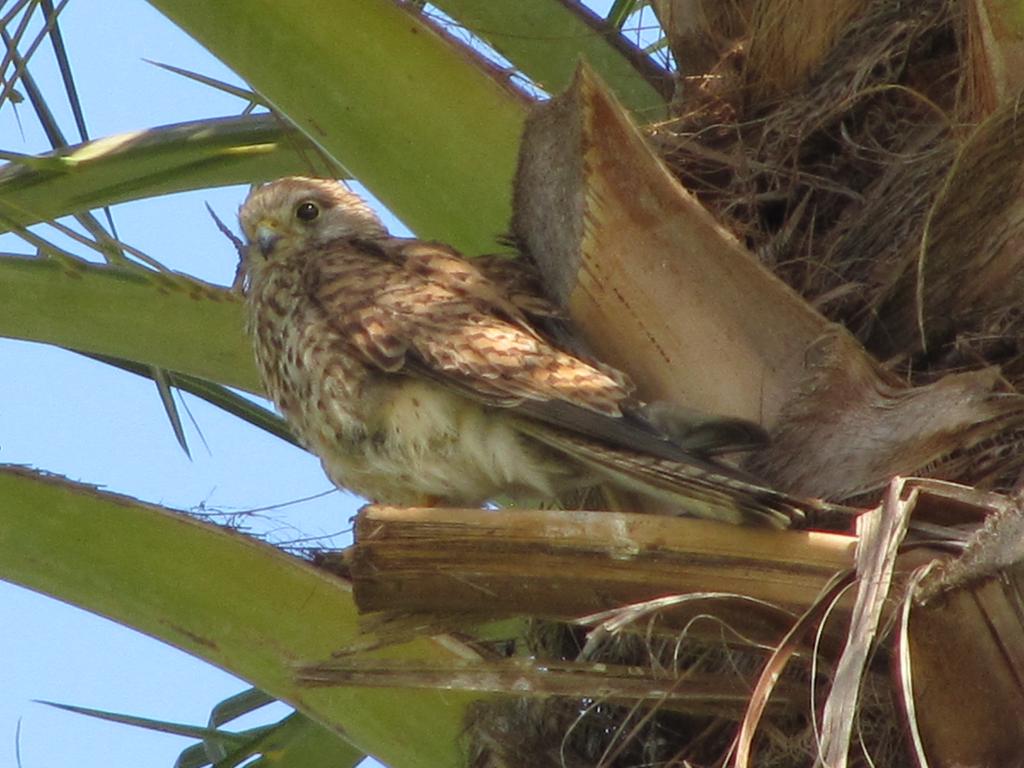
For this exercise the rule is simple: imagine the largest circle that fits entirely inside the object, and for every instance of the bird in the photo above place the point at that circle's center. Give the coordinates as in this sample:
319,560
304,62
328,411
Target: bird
420,377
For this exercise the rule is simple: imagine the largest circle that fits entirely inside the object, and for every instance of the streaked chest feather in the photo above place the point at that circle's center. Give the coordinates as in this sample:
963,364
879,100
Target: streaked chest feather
389,437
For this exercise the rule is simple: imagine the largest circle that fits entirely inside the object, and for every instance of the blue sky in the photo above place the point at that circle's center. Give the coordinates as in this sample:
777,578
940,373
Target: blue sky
69,415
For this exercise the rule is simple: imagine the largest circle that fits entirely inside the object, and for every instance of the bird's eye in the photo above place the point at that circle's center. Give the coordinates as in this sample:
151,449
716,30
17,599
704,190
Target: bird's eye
307,211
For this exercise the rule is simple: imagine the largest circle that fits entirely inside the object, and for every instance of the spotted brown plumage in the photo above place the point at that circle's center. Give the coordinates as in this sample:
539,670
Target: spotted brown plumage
421,377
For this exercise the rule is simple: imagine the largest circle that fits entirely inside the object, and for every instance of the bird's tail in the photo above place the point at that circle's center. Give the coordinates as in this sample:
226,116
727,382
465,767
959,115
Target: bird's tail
698,487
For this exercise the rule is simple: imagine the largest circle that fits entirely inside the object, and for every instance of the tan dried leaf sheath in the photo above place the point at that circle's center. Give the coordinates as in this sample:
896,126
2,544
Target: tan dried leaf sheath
417,377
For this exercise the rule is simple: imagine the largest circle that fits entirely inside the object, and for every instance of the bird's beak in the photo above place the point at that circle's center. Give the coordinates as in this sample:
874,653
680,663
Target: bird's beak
267,237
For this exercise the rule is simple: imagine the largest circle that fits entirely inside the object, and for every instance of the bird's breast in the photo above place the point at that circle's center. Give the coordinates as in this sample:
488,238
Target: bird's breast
390,437
426,444
309,370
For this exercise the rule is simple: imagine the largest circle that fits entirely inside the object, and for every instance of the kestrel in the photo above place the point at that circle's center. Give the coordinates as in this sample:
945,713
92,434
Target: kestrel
420,377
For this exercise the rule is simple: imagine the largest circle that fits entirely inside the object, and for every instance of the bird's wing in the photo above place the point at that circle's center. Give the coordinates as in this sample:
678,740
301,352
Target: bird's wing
519,279
423,309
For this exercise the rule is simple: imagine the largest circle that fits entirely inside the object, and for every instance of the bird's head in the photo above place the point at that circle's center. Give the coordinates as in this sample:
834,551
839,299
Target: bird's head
296,213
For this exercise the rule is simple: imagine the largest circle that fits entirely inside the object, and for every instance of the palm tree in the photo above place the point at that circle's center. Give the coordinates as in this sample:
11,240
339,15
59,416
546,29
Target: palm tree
802,131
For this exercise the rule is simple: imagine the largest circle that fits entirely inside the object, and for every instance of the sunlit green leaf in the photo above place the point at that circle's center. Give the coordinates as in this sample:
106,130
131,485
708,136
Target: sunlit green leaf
546,40
157,161
191,585
431,134
171,321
